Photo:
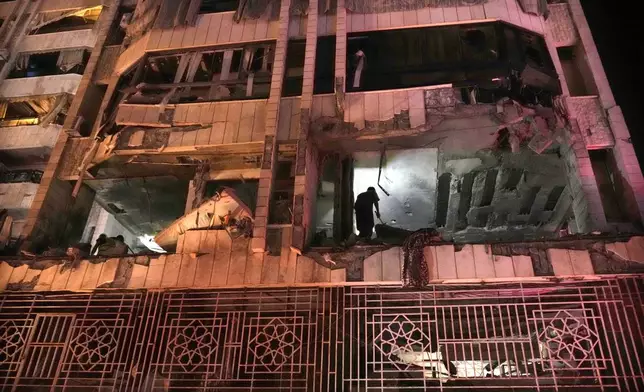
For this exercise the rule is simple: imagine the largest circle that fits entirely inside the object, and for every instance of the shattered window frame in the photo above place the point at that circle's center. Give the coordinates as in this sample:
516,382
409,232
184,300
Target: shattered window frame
72,20
406,58
199,82
46,64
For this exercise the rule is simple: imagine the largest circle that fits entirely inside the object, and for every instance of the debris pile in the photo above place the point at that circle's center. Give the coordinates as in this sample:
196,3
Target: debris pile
415,271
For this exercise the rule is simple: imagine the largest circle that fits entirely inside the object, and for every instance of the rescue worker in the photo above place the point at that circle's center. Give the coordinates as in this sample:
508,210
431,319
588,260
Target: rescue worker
365,202
99,241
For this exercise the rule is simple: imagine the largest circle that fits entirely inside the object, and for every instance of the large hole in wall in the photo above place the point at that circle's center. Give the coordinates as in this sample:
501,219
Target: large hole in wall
465,55
410,179
140,207
220,74
104,220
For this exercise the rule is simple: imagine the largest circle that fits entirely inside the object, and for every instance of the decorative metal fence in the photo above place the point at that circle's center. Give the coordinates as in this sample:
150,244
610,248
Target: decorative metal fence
523,337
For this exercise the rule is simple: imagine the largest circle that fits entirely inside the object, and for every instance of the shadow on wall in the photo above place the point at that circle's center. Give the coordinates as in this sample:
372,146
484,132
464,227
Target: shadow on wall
409,176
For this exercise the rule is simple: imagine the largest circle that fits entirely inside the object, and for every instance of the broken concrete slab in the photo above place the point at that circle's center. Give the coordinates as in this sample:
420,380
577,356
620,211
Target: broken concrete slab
224,210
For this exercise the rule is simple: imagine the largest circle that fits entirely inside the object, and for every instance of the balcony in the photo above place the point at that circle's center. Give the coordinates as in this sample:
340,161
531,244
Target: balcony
78,39
213,29
28,137
27,146
17,197
40,85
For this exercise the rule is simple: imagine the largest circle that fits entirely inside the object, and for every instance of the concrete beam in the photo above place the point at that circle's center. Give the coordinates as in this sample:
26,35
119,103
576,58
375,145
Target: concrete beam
28,137
306,158
41,43
592,55
340,56
51,5
40,85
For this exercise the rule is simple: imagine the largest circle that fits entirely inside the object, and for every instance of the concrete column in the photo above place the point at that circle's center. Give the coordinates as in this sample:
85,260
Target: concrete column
624,153
552,50
592,55
258,243
627,164
453,205
306,158
587,204
191,197
340,56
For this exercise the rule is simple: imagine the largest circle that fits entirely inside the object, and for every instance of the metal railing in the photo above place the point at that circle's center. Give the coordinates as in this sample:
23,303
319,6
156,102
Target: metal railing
520,337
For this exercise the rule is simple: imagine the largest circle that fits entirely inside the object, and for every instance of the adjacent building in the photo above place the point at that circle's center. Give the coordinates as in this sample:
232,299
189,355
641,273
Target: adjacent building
44,53
233,138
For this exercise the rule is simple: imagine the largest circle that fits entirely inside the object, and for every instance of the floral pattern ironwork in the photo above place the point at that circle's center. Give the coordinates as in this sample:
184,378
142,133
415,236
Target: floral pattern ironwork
401,336
12,341
275,345
568,340
93,345
193,346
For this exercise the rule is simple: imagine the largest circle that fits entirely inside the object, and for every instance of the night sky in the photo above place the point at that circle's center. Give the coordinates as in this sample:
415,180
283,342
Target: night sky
617,32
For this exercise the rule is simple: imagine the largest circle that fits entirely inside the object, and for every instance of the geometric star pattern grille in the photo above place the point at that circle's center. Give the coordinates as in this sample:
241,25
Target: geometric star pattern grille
11,342
193,346
550,337
93,345
401,336
275,345
568,340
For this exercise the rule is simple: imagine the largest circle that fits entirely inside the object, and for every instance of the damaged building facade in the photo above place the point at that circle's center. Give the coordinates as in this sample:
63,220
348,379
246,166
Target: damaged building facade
226,141
43,54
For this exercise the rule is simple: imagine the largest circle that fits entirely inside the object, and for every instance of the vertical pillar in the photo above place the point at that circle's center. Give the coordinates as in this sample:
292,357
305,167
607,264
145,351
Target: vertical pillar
627,164
258,243
587,204
306,159
191,197
624,153
340,57
592,55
